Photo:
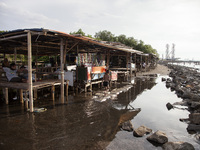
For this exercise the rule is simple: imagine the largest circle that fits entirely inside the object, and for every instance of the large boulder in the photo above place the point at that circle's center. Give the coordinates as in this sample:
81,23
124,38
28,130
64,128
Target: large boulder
142,130
194,118
169,106
193,127
178,146
127,126
158,137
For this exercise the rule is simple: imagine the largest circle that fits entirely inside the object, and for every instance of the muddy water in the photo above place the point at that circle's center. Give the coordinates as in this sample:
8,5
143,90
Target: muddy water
87,123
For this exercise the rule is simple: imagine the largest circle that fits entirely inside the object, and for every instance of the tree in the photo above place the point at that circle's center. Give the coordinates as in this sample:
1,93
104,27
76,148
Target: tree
104,36
78,32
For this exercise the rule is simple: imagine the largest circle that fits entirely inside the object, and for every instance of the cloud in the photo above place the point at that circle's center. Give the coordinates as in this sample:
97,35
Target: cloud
19,17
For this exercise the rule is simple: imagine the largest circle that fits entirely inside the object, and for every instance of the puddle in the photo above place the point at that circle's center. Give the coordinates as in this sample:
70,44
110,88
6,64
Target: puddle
91,121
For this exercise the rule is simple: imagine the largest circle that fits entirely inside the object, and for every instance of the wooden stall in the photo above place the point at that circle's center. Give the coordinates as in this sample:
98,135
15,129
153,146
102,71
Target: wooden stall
37,42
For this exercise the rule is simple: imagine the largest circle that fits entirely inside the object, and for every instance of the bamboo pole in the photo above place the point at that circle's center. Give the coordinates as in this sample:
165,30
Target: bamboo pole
67,89
6,95
26,101
30,87
141,63
15,55
130,64
53,92
108,59
62,71
21,96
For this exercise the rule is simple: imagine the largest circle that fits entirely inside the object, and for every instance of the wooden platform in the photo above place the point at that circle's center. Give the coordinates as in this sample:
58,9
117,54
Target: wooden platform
24,86
36,85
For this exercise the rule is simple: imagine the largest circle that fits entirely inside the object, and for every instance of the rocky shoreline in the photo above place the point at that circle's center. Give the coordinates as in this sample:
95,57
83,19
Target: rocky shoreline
185,82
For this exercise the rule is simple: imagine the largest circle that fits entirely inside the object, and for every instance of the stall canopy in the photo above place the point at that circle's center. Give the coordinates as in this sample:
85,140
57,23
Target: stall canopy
47,42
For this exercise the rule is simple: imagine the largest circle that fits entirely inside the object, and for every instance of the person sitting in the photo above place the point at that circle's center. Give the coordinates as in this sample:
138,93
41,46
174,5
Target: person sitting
106,80
11,74
5,63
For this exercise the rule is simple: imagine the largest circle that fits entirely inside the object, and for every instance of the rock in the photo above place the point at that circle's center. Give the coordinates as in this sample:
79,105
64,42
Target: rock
182,103
193,127
127,126
184,120
195,105
197,136
169,106
187,94
139,132
158,137
163,79
194,118
178,146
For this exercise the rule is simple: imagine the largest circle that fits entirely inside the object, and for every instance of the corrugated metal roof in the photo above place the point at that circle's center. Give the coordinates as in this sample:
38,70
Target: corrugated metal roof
6,36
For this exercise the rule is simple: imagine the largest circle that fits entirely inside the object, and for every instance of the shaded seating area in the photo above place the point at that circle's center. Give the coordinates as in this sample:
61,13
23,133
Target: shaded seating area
39,42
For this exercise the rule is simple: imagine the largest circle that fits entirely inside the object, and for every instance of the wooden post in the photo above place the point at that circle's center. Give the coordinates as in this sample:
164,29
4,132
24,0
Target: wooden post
36,66
53,92
108,59
67,88
62,71
35,93
30,87
130,64
6,95
91,86
15,55
141,63
127,62
21,96
135,63
26,101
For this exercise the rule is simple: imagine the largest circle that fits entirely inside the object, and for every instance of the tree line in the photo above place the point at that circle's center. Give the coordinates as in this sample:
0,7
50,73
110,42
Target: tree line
128,41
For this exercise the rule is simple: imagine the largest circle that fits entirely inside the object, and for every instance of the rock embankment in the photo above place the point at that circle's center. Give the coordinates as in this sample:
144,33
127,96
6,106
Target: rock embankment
186,82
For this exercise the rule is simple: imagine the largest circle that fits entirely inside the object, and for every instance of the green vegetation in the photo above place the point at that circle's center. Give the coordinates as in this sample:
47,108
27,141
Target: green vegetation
128,41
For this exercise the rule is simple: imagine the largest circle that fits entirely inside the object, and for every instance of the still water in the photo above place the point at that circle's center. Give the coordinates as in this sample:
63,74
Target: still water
87,123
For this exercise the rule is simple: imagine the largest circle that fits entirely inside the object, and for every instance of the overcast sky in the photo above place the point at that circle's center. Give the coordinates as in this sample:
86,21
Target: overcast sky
156,22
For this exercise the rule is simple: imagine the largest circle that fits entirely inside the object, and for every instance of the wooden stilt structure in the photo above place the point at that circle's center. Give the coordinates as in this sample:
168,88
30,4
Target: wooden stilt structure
62,71
30,71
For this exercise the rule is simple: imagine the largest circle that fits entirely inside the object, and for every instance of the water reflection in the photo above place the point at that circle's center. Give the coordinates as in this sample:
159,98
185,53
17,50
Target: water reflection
83,123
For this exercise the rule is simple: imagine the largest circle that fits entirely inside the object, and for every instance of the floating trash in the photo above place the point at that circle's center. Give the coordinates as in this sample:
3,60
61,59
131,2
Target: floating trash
38,109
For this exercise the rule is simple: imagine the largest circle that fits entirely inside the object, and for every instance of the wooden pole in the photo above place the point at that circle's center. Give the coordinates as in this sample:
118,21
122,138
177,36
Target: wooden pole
30,87
53,92
135,55
15,53
67,88
6,95
62,71
108,59
141,63
21,96
130,64
26,101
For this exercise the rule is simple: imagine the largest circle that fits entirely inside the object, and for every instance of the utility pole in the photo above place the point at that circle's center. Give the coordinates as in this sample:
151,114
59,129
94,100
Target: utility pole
173,51
167,52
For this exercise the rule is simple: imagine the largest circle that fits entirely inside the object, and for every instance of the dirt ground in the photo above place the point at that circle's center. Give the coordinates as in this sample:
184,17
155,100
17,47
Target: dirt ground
160,69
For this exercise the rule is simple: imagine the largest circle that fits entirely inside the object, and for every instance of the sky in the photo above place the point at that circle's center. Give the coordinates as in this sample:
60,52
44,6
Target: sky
156,22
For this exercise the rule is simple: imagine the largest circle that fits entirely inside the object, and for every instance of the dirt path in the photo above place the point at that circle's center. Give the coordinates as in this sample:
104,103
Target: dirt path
160,69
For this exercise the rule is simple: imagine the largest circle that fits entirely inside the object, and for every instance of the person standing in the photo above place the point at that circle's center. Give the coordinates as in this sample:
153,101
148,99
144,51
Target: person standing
106,80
